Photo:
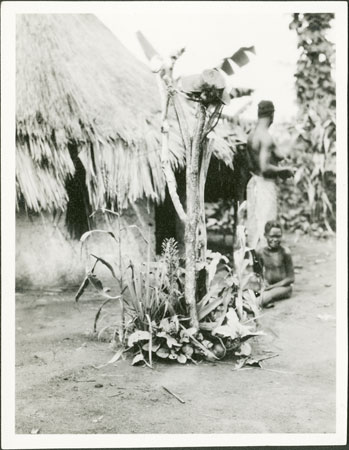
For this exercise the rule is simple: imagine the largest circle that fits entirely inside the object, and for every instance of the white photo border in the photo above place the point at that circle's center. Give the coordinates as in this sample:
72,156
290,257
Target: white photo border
11,440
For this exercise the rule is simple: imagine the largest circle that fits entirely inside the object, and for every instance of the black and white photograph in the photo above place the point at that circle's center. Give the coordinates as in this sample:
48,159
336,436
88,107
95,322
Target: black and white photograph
174,223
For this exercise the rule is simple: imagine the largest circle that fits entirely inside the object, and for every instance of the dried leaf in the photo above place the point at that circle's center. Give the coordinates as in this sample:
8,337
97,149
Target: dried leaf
163,352
103,261
191,331
182,359
98,314
225,331
137,359
154,347
213,292
203,312
170,341
89,233
245,349
116,357
147,48
140,232
96,282
240,57
165,324
249,335
226,67
82,288
138,336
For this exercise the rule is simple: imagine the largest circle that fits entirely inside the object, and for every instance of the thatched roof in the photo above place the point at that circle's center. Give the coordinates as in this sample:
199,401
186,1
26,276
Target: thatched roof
77,84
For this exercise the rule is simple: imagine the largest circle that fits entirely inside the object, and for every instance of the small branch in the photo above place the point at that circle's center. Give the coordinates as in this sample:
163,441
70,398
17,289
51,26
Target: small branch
174,395
104,210
167,169
211,117
84,381
150,340
211,126
268,357
94,266
253,318
277,371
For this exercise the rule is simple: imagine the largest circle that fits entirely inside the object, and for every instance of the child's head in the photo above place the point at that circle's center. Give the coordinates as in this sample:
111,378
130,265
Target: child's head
273,234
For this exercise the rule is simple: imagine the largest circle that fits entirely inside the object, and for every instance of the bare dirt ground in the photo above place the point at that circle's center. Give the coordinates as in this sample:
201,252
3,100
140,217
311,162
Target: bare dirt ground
59,391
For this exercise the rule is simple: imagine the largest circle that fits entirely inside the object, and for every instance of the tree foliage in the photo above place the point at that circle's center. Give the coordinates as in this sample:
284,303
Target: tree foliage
314,81
314,155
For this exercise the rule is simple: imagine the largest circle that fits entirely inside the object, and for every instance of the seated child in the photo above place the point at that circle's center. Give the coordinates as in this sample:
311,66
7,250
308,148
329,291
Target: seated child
277,265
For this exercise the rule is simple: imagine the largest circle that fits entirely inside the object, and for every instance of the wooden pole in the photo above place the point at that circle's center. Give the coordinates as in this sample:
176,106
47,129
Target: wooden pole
192,171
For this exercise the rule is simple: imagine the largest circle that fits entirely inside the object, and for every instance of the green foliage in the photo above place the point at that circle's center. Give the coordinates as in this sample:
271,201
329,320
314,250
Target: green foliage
155,290
309,201
310,205
313,77
158,317
220,216
209,87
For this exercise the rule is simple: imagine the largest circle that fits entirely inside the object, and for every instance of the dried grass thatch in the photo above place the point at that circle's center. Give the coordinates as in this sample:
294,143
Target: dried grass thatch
76,83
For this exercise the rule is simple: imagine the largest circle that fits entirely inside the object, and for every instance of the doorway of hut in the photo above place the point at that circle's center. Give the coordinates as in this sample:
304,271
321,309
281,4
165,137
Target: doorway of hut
222,183
78,205
167,223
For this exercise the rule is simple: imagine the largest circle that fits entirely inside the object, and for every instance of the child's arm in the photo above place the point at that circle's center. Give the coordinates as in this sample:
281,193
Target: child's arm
288,264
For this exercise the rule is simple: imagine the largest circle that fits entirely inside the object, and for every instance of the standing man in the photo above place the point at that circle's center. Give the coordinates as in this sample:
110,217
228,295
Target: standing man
261,189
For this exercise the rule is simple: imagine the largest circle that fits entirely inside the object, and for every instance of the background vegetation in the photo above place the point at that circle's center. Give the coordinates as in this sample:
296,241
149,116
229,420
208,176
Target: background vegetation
309,204
307,201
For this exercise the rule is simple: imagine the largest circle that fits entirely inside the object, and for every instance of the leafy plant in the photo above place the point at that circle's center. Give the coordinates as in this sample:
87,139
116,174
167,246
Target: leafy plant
310,205
220,216
314,82
167,318
158,320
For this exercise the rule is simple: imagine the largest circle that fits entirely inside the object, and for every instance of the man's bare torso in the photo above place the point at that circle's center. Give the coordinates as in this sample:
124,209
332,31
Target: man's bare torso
255,141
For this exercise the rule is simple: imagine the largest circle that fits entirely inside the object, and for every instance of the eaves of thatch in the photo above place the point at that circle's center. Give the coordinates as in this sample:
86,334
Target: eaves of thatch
78,87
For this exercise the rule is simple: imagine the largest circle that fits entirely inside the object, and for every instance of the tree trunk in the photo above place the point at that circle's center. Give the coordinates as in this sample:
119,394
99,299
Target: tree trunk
192,160
205,158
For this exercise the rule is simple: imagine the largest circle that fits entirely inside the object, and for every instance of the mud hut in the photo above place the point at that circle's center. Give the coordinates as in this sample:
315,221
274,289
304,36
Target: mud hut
87,138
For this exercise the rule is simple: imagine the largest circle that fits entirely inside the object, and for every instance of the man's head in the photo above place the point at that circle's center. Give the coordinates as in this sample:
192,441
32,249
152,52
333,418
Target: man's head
266,109
273,234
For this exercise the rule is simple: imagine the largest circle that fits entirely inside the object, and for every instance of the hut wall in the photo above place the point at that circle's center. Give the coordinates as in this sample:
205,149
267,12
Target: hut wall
46,256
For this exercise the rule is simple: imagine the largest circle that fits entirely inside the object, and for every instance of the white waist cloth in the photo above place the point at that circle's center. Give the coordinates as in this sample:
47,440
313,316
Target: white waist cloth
261,207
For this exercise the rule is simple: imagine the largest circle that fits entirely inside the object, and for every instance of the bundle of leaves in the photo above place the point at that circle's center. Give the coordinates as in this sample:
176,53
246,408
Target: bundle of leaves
158,316
171,340
209,88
